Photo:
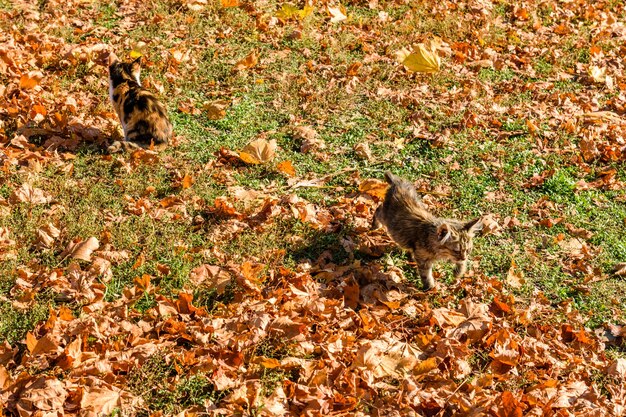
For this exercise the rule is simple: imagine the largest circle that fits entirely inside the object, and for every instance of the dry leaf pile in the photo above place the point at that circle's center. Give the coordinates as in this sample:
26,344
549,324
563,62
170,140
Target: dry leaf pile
349,338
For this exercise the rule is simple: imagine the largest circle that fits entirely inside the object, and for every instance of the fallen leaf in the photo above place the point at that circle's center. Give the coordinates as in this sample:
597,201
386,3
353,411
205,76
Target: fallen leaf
289,11
363,150
216,110
375,188
187,181
515,276
81,249
258,151
620,269
337,14
214,276
230,3
420,58
597,74
27,194
248,62
286,167
196,5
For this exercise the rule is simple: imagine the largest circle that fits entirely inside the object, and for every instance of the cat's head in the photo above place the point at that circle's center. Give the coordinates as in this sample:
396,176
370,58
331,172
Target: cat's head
124,71
456,240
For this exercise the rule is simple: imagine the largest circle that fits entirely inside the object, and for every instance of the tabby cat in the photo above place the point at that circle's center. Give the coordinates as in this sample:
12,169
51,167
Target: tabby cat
144,118
427,237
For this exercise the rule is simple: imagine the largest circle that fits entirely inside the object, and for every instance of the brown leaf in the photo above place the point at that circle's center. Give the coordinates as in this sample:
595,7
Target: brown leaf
216,110
509,406
214,276
375,188
45,394
100,400
82,249
47,234
27,194
515,276
248,62
363,150
258,151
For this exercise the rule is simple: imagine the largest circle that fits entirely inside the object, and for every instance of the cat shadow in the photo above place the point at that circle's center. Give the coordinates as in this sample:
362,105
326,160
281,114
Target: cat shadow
75,137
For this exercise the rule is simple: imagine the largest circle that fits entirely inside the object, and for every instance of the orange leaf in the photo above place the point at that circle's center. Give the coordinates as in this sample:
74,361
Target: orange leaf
230,3
509,406
286,167
373,187
187,181
142,282
248,62
27,83
31,342
426,366
140,261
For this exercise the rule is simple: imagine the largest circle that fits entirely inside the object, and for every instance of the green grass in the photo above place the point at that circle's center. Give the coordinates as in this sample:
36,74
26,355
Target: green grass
302,81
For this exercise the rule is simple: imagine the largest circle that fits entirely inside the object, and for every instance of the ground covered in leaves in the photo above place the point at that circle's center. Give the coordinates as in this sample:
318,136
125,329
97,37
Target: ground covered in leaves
235,273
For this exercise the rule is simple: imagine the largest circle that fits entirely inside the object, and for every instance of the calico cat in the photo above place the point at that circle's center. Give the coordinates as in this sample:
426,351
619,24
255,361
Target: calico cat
427,237
143,117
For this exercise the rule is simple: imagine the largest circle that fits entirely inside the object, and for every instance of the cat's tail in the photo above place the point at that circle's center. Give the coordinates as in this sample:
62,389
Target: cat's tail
392,179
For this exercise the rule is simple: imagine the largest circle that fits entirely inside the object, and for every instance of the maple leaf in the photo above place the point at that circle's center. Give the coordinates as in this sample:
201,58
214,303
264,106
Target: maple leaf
216,110
27,194
286,167
258,151
289,11
248,62
43,394
337,14
420,58
214,276
515,276
81,249
229,3
375,188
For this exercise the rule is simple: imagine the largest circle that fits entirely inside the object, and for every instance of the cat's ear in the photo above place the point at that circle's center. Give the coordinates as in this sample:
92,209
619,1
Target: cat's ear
113,58
443,233
135,67
474,226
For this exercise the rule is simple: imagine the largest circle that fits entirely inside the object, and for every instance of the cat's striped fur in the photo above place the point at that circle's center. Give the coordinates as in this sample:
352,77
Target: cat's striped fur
427,237
143,117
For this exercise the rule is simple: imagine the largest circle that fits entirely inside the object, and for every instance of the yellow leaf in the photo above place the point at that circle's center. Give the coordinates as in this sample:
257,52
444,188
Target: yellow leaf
138,50
421,58
286,167
289,11
258,151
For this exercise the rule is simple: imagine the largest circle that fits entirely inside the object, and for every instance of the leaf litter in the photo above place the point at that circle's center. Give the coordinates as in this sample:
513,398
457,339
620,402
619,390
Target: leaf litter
356,340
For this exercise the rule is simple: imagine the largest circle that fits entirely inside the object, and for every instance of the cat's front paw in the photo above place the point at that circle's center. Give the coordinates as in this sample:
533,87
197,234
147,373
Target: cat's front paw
122,146
115,147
